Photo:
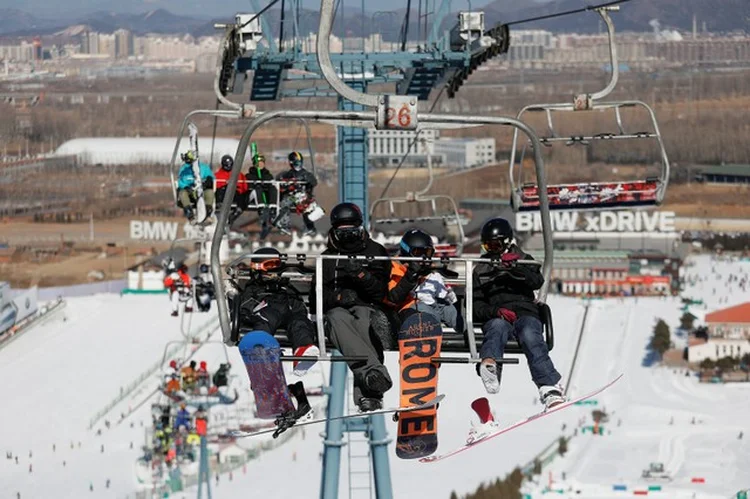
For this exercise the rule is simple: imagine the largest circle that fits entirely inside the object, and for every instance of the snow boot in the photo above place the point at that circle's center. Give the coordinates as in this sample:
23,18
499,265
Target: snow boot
368,404
487,423
551,396
490,374
302,366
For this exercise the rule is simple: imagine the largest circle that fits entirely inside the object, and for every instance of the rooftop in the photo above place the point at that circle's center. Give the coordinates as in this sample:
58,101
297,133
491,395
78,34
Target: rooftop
739,314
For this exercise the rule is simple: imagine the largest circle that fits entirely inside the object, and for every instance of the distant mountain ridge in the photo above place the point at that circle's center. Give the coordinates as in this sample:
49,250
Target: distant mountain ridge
718,15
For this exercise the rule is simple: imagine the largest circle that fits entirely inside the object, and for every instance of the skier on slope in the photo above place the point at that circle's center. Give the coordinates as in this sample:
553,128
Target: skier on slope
416,287
239,202
186,196
177,281
268,301
353,293
504,301
182,418
289,199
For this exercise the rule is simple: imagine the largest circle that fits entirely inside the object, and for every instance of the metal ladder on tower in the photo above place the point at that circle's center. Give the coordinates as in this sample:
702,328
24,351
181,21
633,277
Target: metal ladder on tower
359,460
352,149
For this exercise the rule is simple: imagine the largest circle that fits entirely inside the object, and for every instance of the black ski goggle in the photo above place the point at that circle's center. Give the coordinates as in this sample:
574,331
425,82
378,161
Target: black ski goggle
495,246
422,252
349,234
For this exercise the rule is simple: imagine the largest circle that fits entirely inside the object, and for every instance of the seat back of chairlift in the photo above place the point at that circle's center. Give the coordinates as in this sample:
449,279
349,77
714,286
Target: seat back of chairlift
639,193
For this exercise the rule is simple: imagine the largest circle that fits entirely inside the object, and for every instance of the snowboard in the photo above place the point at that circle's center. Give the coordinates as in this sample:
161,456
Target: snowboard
261,354
200,202
419,340
499,431
400,410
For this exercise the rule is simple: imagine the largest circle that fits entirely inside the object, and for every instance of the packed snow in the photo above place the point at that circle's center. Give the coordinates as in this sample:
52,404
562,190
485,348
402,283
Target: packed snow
60,374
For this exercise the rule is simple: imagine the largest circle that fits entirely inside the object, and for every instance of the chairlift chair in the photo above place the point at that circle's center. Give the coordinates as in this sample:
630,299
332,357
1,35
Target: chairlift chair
589,196
421,198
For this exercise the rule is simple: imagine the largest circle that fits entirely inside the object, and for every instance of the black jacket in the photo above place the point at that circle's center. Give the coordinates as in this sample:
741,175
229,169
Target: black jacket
302,176
371,287
512,288
258,190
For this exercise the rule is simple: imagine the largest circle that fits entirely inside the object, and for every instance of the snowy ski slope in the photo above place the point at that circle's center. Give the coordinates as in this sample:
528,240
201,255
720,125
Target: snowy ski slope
60,374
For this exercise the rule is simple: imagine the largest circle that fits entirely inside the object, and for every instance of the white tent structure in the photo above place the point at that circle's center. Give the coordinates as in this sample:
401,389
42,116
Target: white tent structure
140,150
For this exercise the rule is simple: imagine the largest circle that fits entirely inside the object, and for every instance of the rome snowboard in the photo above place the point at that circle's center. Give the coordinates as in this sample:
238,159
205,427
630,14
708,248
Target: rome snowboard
419,340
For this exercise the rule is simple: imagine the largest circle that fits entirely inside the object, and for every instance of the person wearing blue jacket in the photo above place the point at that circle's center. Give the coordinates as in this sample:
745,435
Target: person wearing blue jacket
182,418
186,197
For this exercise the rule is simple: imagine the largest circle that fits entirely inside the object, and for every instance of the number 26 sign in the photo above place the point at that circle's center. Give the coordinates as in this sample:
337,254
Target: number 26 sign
397,112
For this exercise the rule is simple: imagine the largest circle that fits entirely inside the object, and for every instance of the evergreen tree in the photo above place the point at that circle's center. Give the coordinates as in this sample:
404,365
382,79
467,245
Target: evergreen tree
562,446
687,321
454,495
661,340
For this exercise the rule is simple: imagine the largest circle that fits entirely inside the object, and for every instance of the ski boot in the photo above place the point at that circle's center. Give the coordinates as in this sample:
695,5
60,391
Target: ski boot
487,423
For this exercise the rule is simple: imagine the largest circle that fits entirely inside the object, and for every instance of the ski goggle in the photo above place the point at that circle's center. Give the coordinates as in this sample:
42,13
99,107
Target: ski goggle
418,251
496,246
266,265
349,234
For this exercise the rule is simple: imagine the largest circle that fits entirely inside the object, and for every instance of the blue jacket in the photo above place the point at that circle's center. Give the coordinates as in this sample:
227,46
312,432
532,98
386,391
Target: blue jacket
186,179
183,418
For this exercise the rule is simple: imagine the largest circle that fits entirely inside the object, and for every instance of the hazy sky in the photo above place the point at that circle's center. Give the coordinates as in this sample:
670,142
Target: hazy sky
195,8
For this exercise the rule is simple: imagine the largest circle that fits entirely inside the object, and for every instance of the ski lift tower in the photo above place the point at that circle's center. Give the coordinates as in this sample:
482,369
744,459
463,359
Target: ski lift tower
446,57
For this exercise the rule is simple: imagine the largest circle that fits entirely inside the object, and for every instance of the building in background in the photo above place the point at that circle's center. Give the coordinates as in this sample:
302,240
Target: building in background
725,174
466,152
730,323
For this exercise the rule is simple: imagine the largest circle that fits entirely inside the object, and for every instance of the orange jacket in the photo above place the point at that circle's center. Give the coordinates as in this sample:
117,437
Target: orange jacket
173,386
398,270
222,179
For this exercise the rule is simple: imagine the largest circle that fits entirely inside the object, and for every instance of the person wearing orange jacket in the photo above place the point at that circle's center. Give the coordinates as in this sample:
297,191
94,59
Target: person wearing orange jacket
178,283
222,179
416,287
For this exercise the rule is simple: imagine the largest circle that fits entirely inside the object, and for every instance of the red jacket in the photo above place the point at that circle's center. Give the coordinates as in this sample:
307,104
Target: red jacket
222,179
171,282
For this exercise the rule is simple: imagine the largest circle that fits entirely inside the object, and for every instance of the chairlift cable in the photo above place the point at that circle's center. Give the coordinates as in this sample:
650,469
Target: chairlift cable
566,13
262,11
411,144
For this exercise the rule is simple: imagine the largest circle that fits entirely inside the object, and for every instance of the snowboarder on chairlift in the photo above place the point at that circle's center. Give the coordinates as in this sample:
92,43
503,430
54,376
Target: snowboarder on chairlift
353,294
504,301
415,286
269,302
186,196
290,198
177,281
222,179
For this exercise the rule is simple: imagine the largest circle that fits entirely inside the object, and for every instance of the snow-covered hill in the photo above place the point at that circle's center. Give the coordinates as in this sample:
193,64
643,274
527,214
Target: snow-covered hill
59,375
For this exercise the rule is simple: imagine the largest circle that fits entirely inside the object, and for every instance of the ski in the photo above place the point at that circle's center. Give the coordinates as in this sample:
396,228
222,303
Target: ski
431,403
500,431
200,203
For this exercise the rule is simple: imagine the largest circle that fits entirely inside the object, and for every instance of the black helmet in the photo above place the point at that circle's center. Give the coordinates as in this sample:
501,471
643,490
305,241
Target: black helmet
347,227
204,268
497,236
295,160
346,214
227,162
416,242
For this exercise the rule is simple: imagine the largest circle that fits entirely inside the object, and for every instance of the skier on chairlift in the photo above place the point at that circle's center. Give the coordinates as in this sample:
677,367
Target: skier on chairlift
261,195
186,196
353,294
239,203
298,197
177,281
204,289
416,287
268,302
504,301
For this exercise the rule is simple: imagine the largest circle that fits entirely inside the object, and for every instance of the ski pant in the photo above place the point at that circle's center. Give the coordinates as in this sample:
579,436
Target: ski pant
177,296
280,313
446,313
186,197
284,219
349,330
529,332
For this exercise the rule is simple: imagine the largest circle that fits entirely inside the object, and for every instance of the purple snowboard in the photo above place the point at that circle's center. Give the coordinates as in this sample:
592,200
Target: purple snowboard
260,352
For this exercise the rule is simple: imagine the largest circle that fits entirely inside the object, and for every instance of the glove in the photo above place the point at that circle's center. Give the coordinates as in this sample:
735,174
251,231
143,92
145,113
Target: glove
413,269
346,297
509,259
352,267
506,314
